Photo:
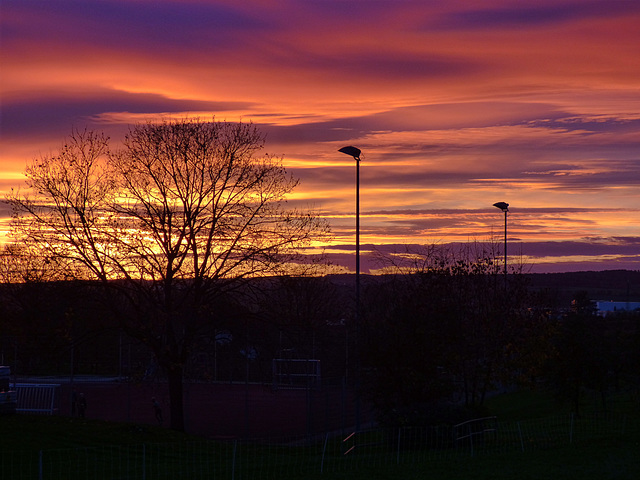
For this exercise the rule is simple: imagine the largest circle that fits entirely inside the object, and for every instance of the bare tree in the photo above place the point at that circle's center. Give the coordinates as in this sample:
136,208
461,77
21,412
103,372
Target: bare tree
445,324
180,213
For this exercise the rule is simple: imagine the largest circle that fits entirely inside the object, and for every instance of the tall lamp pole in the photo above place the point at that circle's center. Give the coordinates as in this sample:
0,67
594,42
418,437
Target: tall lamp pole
505,208
355,153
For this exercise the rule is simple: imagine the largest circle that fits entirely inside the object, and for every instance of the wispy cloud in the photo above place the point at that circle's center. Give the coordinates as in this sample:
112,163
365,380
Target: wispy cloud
34,112
520,14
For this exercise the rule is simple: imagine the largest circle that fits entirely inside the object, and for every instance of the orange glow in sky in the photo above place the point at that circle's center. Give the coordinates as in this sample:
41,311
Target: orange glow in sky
455,105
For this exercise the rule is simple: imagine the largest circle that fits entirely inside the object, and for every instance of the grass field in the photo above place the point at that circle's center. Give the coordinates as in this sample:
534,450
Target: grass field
619,460
604,456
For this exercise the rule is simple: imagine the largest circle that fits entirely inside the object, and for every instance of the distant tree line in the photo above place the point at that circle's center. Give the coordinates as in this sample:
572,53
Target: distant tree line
69,328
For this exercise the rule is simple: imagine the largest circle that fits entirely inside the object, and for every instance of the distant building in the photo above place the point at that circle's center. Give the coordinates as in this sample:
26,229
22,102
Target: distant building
606,307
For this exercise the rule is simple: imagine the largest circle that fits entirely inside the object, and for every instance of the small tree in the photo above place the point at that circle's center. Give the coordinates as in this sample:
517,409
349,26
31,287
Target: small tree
589,352
179,214
444,324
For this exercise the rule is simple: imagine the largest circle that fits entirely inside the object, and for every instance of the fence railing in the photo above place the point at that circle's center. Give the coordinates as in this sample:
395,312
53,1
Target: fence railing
295,457
37,398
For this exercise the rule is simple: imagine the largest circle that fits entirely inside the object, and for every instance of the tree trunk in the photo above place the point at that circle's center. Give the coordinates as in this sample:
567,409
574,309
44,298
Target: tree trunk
176,401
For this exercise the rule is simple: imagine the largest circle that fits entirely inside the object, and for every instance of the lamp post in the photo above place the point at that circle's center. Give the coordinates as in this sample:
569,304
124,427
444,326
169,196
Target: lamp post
505,208
355,153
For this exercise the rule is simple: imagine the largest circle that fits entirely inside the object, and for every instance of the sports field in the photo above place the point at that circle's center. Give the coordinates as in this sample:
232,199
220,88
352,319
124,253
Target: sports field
221,410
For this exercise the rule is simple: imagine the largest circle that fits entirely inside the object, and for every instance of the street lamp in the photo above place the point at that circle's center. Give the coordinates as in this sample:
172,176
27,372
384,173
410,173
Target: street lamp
505,208
355,153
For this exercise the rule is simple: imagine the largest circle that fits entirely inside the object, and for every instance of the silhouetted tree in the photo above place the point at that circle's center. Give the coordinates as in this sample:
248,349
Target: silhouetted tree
303,318
55,322
300,308
445,323
592,352
624,328
405,343
183,211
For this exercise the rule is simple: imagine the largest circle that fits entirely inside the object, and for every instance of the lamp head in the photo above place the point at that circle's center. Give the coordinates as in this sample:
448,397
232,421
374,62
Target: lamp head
353,151
502,206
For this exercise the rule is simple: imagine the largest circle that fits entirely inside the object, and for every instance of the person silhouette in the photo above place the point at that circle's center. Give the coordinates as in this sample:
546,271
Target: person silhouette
157,410
82,405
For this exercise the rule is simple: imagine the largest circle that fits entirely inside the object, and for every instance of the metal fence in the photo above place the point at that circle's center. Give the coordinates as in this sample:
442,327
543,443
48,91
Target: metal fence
37,398
295,457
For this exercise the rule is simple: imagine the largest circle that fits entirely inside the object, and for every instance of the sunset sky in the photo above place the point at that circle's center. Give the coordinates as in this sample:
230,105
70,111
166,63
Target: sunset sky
455,105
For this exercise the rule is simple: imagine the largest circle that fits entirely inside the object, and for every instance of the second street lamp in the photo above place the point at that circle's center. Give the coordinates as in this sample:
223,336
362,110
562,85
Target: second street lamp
505,208
355,153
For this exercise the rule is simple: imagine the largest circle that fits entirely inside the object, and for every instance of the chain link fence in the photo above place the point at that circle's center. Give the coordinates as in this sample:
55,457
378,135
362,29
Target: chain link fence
329,453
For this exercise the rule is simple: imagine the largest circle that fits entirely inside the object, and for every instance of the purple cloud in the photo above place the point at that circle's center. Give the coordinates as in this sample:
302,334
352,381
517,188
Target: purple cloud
419,118
149,26
597,258
31,113
533,15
